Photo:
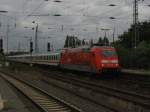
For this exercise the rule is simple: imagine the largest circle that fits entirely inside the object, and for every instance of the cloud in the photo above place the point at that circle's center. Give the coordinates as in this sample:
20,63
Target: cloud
83,18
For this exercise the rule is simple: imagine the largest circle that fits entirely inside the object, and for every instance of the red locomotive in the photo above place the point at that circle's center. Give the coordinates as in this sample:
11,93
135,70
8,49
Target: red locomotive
96,59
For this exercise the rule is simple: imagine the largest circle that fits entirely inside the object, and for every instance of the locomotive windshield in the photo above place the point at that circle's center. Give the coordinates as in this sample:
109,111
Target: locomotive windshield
108,53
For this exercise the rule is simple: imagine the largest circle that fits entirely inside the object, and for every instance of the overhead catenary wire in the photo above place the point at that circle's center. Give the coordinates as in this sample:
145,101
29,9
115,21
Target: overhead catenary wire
86,15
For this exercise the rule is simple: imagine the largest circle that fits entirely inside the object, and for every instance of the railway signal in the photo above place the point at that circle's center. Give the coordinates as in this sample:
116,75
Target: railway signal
48,47
31,47
1,45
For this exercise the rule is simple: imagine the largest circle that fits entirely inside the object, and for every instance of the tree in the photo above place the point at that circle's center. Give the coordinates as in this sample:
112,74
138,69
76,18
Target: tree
72,41
106,41
91,42
83,42
100,41
66,42
127,38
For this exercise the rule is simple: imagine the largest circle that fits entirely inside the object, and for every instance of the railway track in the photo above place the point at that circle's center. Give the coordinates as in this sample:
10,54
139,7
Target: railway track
143,80
135,80
45,101
129,101
114,99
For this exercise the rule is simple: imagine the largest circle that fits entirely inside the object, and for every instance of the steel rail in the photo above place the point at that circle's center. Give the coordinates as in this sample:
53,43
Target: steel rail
139,99
44,100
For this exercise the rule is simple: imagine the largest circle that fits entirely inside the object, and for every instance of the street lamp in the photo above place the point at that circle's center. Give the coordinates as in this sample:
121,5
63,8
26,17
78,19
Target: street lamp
4,11
113,18
30,40
57,15
105,30
36,36
112,5
57,1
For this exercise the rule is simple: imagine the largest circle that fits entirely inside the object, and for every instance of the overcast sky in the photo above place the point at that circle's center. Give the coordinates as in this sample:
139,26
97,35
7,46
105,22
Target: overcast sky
83,18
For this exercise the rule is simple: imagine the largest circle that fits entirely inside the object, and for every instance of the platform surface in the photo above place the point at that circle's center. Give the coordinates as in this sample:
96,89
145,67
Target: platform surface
13,103
137,72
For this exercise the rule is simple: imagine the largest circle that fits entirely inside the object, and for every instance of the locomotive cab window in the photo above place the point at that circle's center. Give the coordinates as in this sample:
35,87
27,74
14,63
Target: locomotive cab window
86,49
108,53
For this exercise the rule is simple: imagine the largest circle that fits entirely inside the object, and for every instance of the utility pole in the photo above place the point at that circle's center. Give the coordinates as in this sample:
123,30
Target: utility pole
135,22
36,39
114,36
1,45
7,36
105,31
19,46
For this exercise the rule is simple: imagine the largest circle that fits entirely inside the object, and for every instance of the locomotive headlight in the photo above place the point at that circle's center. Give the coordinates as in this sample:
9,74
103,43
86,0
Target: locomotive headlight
104,61
116,64
114,61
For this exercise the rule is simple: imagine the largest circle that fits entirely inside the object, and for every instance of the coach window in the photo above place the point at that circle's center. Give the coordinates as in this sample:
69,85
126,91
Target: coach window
56,57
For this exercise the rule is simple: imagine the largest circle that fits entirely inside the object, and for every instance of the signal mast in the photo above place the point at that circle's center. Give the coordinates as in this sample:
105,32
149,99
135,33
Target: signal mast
135,21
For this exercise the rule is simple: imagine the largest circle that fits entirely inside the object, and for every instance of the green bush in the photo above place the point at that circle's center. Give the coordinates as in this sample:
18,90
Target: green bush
135,57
